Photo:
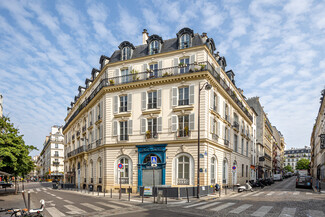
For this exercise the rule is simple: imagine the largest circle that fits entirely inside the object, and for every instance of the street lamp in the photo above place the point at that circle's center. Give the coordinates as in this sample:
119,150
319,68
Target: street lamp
207,86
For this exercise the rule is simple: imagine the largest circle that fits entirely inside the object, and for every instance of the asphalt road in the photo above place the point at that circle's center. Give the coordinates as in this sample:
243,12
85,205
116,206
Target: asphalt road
280,199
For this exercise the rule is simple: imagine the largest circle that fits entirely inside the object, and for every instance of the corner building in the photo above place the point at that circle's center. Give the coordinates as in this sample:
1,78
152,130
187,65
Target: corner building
143,102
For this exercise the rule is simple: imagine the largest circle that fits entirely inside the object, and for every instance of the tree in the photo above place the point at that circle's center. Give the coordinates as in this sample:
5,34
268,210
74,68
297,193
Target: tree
14,153
303,164
288,168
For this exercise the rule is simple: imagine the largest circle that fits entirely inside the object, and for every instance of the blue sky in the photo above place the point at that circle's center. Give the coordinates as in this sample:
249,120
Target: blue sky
48,48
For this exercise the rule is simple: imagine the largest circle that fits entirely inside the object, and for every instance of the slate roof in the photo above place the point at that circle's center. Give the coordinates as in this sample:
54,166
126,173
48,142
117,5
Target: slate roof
167,46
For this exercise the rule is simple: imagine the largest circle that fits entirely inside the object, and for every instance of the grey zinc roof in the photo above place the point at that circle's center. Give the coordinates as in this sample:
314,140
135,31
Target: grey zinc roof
167,46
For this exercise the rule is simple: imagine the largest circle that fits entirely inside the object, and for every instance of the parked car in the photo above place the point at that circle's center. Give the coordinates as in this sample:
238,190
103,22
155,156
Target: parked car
6,184
277,177
304,181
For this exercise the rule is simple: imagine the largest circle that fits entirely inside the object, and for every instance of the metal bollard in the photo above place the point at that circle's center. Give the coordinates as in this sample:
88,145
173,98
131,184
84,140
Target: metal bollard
111,193
104,192
166,196
28,206
129,193
142,194
226,190
97,191
154,195
188,199
23,193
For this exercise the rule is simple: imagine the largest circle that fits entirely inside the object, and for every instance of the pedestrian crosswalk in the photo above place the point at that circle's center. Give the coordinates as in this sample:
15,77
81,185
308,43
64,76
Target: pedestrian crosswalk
252,209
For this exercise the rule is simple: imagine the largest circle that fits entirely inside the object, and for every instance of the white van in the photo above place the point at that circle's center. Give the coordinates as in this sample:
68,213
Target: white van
277,177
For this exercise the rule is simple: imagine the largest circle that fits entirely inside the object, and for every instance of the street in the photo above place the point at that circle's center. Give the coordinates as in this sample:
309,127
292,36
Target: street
280,199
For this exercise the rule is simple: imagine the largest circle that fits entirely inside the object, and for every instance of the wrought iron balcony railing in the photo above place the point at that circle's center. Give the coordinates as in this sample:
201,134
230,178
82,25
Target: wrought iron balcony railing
165,72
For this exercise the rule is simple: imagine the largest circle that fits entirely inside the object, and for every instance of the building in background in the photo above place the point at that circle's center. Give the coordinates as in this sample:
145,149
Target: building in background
51,160
317,143
293,155
278,150
33,175
1,106
143,102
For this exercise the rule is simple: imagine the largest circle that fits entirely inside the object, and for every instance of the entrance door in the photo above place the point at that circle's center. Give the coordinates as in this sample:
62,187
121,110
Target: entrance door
147,177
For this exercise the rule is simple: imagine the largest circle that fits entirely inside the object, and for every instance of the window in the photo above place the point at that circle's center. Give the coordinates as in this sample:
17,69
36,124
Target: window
124,131
99,171
56,154
184,64
215,102
246,171
235,143
126,53
183,170
213,167
225,171
91,170
183,94
247,148
123,103
125,175
226,112
184,41
242,170
125,75
152,100
242,146
154,47
183,126
56,145
152,128
153,70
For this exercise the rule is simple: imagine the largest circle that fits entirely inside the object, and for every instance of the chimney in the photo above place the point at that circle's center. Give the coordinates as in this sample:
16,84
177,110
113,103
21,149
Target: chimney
145,36
204,37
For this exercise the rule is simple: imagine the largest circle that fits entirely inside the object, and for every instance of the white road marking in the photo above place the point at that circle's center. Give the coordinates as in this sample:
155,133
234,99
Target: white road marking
315,213
307,193
68,201
74,210
31,190
223,206
43,189
258,194
109,205
234,195
37,189
262,211
54,212
53,195
208,205
91,206
241,208
283,192
269,194
247,194
196,204
119,203
288,212
139,201
60,198
296,193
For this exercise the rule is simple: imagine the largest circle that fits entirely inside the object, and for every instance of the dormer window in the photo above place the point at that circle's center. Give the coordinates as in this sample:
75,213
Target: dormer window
126,50
185,41
126,53
185,37
154,47
154,44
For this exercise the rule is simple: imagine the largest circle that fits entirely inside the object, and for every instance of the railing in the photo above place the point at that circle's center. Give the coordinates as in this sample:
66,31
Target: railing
153,135
267,156
123,108
165,72
236,125
78,133
73,137
77,151
183,181
124,137
183,102
152,105
98,142
56,163
215,136
84,129
124,180
183,133
56,155
226,142
99,180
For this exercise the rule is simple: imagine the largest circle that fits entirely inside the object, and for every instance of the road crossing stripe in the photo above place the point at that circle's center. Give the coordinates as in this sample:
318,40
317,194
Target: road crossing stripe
208,205
269,194
91,206
308,193
315,213
53,195
139,201
247,194
296,193
288,212
43,189
196,204
31,190
262,211
284,192
223,206
241,208
74,210
68,201
54,212
37,189
258,194
234,195
60,198
119,203
109,205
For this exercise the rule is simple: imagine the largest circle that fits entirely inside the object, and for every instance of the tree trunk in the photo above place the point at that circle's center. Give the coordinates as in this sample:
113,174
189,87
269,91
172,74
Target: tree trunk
16,190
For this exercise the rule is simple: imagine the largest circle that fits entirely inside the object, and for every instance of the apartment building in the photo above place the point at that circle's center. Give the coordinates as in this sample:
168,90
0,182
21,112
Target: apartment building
150,100
1,106
278,148
51,159
293,155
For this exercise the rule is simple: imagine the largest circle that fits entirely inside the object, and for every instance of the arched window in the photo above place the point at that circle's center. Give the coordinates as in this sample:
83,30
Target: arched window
225,171
183,170
184,41
213,167
124,177
154,47
126,53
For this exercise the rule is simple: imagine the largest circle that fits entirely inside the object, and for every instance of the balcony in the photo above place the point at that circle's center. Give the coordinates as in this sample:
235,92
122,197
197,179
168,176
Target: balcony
124,180
123,109
183,133
215,137
73,137
183,102
78,133
98,142
124,137
183,181
268,157
150,135
56,163
236,125
226,142
84,129
165,72
56,155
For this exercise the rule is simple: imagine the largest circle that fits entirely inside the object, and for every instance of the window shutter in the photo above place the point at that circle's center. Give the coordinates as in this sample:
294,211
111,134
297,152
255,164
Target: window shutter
176,66
130,130
174,123
101,131
174,96
115,104
144,70
96,133
219,129
89,119
211,124
116,75
192,94
143,125
92,116
143,100
191,121
218,103
101,109
159,98
97,113
115,128
229,135
192,60
224,108
159,68
211,98
129,102
159,119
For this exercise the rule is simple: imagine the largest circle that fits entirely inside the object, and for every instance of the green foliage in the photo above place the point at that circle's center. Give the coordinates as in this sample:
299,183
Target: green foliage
288,168
14,154
303,164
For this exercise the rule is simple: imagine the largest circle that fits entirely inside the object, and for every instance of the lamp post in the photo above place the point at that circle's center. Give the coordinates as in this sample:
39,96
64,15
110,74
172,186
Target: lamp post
207,86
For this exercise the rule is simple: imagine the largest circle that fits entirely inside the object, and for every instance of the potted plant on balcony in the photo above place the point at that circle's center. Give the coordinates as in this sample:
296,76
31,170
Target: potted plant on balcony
202,67
186,131
111,82
148,134
135,76
166,74
181,65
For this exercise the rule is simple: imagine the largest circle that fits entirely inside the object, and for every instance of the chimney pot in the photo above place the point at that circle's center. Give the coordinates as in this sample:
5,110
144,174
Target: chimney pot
145,36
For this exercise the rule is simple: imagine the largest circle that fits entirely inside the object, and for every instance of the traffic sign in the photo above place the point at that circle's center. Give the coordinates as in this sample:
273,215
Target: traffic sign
153,161
234,167
120,166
